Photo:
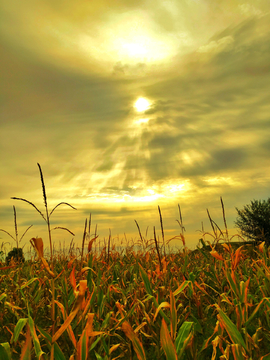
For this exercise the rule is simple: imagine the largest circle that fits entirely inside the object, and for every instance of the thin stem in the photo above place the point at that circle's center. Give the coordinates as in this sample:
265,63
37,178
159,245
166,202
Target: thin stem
162,230
109,243
157,248
83,241
224,218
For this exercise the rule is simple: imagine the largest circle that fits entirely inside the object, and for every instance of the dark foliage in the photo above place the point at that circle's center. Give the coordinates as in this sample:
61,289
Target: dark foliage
16,254
254,221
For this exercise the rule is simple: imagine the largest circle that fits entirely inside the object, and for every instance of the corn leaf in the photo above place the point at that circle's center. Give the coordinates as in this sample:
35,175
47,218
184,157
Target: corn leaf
28,283
237,353
69,328
183,337
137,345
167,343
164,304
26,350
82,351
231,329
254,313
181,287
146,280
5,353
77,306
37,347
18,328
173,316
3,296
58,355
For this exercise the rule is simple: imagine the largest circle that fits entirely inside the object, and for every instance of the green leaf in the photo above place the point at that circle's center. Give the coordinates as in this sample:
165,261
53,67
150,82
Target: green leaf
58,355
150,292
232,284
183,337
99,357
18,328
197,325
37,347
5,353
146,280
29,282
3,296
257,309
106,320
95,343
231,329
83,347
181,287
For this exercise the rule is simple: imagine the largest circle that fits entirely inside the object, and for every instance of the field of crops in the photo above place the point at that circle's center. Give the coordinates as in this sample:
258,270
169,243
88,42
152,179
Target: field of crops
211,303
137,305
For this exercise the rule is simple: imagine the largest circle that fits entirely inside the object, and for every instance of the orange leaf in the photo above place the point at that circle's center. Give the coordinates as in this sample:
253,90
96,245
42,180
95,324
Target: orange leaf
91,243
70,263
69,328
114,347
237,257
77,306
261,246
73,281
37,243
216,255
47,267
138,347
167,343
26,350
38,246
120,308
226,247
8,267
164,304
183,239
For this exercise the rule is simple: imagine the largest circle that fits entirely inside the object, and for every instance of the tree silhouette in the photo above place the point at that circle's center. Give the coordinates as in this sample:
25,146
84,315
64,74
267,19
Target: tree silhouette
254,221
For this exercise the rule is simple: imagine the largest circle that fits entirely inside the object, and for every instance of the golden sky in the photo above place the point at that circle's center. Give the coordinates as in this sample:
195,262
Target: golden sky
128,105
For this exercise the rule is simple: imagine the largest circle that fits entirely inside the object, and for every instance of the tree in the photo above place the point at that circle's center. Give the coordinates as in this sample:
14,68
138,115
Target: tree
15,254
254,220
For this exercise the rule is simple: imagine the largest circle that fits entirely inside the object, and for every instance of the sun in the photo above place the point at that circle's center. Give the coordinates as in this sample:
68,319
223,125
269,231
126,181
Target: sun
142,104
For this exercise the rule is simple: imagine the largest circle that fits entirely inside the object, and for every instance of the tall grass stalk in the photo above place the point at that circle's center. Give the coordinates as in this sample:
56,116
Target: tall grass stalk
162,230
109,245
140,234
157,248
83,241
47,220
48,215
16,238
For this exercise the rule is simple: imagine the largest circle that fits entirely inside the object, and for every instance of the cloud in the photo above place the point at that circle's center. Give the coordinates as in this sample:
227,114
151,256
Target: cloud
217,46
249,10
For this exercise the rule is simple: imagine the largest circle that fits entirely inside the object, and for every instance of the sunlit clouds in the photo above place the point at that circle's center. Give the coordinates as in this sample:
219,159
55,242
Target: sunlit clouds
128,105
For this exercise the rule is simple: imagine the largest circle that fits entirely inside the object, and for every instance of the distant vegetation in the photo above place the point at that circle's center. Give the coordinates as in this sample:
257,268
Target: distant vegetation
254,221
15,254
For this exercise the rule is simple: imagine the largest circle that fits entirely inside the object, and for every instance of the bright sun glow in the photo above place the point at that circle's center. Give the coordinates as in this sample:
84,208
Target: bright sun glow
135,50
141,121
142,104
